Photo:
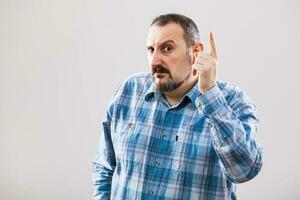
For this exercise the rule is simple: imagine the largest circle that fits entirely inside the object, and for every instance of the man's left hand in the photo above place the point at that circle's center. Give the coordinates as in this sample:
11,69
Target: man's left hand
206,66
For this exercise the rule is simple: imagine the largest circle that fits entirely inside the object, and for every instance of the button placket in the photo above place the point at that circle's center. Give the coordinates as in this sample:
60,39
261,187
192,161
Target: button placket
163,136
130,126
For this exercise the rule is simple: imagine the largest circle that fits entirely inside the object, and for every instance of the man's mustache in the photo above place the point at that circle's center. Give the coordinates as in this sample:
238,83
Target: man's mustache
160,69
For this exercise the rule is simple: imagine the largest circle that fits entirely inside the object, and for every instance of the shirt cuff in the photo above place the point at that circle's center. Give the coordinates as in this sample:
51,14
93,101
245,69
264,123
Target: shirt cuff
212,100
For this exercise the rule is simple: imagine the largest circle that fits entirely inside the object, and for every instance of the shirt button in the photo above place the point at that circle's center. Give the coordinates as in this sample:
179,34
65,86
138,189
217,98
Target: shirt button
157,164
151,192
130,125
201,106
163,136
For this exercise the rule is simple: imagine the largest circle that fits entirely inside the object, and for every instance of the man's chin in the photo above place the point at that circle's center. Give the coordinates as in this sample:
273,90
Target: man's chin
166,86
160,79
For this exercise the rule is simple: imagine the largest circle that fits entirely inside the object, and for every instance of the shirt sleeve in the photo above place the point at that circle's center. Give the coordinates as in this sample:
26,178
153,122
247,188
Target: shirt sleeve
104,164
105,161
233,123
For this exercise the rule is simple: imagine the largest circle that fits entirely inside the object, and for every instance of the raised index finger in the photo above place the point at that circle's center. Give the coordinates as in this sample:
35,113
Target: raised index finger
213,50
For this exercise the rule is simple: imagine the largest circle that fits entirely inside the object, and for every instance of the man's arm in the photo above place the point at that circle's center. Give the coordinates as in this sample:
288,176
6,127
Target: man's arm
104,165
233,125
105,162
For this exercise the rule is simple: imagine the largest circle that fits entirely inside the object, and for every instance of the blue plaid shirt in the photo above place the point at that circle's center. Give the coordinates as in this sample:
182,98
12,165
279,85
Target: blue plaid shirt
197,149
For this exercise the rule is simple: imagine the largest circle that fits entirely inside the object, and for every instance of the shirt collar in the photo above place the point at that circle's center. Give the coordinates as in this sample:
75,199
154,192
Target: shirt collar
151,92
192,94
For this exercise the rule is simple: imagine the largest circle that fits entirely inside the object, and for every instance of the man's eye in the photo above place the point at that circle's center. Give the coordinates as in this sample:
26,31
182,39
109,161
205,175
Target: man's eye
150,49
167,49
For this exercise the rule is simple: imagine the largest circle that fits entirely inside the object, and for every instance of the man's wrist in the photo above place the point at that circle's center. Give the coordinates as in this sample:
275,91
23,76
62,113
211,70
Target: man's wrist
205,88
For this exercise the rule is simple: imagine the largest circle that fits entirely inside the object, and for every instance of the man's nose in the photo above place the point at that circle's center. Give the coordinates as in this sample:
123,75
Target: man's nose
156,59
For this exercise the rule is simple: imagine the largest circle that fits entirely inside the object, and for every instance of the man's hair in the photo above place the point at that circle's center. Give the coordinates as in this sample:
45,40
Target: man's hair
191,32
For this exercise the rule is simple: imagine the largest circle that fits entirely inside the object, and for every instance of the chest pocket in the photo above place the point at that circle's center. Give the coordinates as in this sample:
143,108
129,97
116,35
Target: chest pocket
130,142
196,146
197,140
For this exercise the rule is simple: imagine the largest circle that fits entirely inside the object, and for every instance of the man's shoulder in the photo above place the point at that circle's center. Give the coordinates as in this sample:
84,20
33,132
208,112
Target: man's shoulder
129,93
135,84
140,77
138,80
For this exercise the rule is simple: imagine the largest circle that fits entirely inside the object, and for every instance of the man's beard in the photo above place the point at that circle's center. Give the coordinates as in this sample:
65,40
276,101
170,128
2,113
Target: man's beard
170,84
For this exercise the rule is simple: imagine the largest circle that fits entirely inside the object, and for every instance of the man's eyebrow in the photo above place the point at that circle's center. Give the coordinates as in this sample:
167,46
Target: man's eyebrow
163,43
167,41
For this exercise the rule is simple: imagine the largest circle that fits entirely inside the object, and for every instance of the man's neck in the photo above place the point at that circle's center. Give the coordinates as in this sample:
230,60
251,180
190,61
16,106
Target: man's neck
173,97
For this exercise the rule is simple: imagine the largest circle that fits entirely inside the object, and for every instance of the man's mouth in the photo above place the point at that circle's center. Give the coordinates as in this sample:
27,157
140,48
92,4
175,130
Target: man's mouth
159,75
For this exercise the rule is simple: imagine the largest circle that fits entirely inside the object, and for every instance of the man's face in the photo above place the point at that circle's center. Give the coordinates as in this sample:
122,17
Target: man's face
169,57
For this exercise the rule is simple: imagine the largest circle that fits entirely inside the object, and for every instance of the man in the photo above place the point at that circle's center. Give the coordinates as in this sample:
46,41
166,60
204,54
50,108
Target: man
178,132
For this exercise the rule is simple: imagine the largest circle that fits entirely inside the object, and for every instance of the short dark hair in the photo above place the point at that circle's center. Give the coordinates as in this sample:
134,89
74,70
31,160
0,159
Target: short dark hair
191,32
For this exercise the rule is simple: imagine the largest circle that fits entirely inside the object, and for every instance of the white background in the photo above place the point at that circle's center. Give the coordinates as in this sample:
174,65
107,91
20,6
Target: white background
60,62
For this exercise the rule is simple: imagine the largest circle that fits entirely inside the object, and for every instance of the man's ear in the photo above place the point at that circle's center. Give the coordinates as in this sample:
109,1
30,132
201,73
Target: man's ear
197,48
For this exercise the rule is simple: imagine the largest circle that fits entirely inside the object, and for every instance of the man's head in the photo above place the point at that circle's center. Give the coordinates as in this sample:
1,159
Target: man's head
191,32
172,41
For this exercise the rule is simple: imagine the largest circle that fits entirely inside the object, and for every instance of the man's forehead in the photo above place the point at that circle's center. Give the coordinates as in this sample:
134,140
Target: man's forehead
159,34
